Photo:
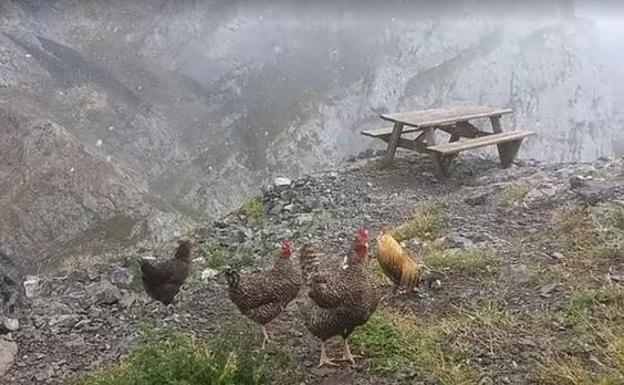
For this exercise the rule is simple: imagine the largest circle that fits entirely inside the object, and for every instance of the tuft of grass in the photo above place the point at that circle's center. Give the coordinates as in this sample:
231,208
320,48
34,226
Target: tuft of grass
401,344
254,209
596,332
513,194
425,224
461,261
217,257
228,358
590,233
437,348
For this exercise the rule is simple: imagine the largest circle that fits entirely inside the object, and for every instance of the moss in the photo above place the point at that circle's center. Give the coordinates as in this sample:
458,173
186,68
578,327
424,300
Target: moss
513,194
118,228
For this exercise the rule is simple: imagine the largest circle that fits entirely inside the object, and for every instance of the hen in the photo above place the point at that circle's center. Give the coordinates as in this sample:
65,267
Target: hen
262,296
403,270
163,281
340,300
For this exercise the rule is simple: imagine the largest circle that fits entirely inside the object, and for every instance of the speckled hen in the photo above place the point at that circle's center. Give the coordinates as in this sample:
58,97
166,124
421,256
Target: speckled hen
338,300
261,296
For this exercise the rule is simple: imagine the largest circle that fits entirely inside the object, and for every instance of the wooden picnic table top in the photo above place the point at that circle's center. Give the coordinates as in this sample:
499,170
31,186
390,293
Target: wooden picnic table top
444,116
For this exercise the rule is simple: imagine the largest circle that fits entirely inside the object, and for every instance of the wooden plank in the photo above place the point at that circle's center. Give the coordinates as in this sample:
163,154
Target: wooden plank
504,137
444,116
381,132
392,144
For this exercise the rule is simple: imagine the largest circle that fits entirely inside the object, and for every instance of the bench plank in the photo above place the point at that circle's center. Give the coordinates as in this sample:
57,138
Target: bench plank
503,137
444,116
381,132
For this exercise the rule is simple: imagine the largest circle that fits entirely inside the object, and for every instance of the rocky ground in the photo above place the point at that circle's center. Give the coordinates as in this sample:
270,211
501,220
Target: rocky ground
508,301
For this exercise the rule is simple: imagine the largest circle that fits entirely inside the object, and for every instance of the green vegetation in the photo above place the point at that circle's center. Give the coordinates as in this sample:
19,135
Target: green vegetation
230,358
590,233
217,257
513,194
425,224
254,209
461,261
118,228
594,317
435,348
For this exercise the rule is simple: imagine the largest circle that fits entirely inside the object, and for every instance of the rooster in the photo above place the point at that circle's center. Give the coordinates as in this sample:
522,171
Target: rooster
403,270
262,296
163,281
339,300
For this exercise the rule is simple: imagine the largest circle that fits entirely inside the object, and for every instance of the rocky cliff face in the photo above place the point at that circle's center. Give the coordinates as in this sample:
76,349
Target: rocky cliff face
169,112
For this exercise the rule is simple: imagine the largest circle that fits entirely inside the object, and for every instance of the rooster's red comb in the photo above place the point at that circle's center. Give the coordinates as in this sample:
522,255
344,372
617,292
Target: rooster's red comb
363,234
285,245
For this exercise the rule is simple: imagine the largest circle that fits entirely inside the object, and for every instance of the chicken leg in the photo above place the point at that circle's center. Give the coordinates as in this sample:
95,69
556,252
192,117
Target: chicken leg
265,337
347,356
324,359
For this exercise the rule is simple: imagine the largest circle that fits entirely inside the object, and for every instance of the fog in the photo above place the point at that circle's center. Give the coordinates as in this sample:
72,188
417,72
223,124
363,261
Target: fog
196,105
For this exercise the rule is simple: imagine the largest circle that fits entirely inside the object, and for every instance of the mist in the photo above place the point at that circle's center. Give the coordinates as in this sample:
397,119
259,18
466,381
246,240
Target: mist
189,108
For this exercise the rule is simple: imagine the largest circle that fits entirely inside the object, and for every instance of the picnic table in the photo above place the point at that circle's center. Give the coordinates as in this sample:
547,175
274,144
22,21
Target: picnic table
455,122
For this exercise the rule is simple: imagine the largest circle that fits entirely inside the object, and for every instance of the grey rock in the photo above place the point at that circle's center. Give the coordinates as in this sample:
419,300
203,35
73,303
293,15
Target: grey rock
105,293
304,219
8,325
593,191
31,285
8,350
282,182
127,300
11,286
122,277
478,199
455,240
517,273
208,274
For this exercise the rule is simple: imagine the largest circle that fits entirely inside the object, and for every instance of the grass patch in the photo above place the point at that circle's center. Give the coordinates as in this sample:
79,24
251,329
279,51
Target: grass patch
593,352
217,257
401,344
436,348
590,233
229,358
254,209
513,194
425,224
461,261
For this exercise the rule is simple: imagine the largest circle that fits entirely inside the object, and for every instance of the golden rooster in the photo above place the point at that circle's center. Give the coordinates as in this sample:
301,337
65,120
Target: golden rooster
399,266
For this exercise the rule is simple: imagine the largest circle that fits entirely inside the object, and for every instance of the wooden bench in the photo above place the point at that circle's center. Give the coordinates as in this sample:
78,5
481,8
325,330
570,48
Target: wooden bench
455,122
507,142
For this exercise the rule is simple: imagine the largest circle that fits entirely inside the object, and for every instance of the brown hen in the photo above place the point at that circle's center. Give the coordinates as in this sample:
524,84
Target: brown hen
163,281
339,301
261,296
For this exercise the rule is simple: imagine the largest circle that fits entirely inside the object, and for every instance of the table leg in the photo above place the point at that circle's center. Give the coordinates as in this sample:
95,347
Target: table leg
496,124
392,144
430,137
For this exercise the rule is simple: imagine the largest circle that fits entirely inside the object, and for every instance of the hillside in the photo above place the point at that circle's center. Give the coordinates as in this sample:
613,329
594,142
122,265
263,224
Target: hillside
532,256
182,110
